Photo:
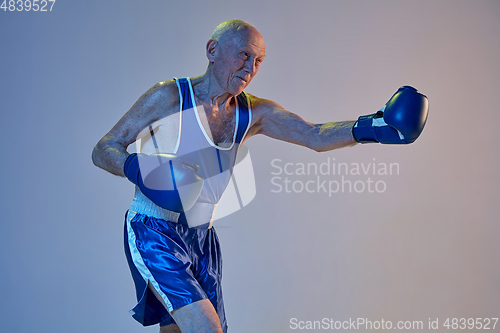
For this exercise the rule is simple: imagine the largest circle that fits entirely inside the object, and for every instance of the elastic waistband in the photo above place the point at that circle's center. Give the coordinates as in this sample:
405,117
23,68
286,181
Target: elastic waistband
199,216
142,205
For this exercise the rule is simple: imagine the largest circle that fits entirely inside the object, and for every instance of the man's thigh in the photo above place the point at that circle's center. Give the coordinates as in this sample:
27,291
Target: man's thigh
170,329
197,317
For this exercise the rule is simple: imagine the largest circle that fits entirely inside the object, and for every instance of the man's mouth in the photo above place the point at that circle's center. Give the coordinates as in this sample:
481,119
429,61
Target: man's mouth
242,79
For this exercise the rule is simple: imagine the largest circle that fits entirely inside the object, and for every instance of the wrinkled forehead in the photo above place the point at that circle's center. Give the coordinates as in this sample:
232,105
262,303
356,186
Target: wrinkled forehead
248,37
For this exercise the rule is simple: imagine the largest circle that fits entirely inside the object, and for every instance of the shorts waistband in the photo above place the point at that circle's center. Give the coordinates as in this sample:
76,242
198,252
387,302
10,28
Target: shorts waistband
200,212
142,205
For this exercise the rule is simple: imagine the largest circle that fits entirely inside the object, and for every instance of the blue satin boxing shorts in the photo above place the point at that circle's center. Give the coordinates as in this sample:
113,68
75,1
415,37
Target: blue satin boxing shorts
182,264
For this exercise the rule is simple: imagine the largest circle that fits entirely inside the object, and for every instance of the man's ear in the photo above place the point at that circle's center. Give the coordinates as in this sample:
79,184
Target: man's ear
212,46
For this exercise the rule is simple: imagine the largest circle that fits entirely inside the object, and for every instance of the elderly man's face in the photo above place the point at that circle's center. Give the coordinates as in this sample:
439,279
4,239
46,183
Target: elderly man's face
238,60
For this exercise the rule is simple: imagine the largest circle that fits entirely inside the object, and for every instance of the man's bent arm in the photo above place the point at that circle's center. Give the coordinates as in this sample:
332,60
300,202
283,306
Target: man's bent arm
110,152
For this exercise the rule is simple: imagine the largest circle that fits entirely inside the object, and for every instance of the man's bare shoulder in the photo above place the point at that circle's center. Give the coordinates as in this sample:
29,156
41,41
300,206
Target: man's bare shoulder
165,96
261,106
261,109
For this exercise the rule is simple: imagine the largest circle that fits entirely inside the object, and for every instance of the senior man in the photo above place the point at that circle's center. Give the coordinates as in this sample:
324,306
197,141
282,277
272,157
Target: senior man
174,256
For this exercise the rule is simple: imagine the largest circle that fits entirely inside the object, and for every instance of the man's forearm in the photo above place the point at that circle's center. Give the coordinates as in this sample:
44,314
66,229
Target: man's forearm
110,158
332,135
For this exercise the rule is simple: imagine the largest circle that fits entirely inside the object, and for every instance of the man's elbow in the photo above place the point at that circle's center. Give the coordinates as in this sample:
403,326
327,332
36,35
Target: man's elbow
96,156
99,156
316,147
109,157
321,147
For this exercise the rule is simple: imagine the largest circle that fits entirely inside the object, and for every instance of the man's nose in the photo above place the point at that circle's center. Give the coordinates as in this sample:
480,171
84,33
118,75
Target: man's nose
250,66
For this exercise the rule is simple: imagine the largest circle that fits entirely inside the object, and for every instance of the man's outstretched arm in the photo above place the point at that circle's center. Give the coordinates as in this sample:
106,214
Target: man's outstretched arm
400,121
274,121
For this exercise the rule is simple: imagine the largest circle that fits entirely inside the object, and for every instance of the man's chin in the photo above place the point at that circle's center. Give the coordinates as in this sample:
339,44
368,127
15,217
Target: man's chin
242,87
236,90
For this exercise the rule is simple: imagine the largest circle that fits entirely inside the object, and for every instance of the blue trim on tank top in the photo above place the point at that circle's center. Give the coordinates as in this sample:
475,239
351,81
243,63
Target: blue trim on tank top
242,100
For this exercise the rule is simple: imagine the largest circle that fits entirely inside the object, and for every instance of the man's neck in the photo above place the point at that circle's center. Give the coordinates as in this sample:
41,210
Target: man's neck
209,92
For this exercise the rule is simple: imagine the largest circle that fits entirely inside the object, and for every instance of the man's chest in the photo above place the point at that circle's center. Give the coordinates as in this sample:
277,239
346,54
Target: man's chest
164,134
219,125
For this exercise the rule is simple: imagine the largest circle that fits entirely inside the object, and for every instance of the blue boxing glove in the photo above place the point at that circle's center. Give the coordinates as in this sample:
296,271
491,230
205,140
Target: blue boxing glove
168,180
400,121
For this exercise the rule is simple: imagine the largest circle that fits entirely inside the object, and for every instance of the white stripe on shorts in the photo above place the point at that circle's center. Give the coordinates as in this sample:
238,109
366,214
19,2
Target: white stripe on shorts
139,263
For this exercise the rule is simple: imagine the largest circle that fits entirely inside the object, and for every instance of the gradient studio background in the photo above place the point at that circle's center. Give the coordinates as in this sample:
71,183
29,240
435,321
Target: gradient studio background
425,248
